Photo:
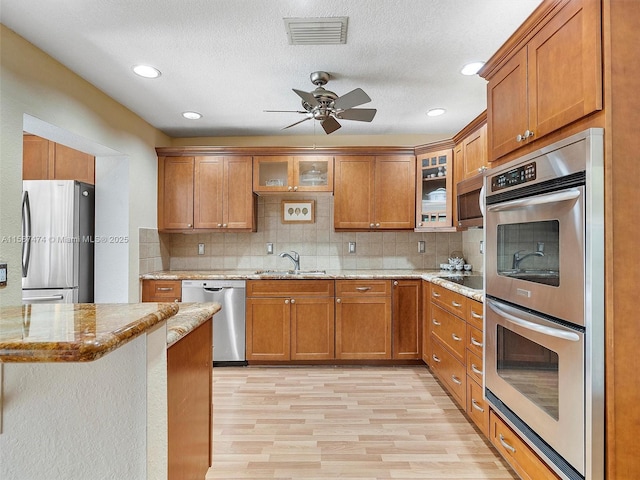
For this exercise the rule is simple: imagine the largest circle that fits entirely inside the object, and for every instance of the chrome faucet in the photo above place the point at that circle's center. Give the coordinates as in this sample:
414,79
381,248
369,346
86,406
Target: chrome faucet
517,258
295,259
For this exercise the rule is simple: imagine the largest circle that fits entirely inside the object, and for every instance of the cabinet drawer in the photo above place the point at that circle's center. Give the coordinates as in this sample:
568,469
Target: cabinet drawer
363,287
477,407
161,290
290,288
449,300
517,453
475,367
450,330
475,340
474,313
450,371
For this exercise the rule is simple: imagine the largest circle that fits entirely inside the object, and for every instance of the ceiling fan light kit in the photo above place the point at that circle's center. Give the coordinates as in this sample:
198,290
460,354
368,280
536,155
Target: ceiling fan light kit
326,107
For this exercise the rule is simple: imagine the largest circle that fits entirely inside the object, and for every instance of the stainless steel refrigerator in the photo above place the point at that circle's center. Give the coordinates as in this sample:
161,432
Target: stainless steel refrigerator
58,226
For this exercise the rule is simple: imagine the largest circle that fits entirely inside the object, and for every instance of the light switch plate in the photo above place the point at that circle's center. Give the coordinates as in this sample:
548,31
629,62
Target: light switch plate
421,246
201,249
3,274
352,247
269,248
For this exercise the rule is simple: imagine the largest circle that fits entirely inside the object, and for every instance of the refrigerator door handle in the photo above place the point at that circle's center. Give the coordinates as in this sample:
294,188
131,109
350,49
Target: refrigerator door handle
26,233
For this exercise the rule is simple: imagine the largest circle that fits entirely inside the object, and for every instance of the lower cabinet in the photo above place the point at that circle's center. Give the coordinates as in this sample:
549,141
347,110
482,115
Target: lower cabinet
161,291
363,319
290,320
406,313
450,371
189,404
517,453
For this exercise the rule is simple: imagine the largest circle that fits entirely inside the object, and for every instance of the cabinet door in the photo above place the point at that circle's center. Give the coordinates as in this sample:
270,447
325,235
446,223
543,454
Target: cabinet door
354,192
268,329
237,198
36,154
272,174
406,319
72,164
426,320
312,328
475,152
565,68
161,290
507,112
395,183
363,328
313,173
175,193
434,190
208,188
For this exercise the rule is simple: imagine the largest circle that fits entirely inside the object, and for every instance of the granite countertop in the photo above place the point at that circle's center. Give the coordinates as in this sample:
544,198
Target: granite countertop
86,332
434,276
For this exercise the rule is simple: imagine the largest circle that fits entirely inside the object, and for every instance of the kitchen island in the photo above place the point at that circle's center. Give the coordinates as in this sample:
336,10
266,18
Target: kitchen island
87,388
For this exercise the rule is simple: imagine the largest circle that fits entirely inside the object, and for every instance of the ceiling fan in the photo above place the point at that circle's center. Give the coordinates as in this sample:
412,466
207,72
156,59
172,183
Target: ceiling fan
327,107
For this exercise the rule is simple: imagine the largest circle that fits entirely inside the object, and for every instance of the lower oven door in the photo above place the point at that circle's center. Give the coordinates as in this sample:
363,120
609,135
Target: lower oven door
535,367
536,251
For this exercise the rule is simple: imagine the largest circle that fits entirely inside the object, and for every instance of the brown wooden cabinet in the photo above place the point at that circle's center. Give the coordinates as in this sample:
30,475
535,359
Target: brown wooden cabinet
43,159
309,173
426,320
374,192
363,319
434,190
548,80
205,193
161,290
475,152
477,407
190,404
406,314
290,320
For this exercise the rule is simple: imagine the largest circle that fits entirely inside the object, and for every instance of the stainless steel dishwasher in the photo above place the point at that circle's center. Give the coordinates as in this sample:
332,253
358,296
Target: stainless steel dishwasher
228,323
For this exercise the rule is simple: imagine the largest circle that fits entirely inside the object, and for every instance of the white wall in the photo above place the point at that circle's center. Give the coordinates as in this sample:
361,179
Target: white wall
34,84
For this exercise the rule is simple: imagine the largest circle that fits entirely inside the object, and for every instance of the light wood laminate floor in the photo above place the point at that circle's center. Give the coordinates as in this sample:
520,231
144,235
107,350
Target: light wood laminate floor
368,423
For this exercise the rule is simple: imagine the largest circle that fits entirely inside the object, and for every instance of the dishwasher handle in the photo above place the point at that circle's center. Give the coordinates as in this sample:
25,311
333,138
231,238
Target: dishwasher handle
215,289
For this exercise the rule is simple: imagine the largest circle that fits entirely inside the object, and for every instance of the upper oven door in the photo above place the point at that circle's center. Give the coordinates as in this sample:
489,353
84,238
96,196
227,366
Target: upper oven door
535,252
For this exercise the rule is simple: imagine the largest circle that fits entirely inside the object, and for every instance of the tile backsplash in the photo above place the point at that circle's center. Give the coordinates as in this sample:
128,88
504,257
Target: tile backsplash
319,246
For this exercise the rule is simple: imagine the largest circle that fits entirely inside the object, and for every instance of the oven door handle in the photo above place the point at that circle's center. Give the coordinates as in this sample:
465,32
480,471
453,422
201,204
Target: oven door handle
537,200
554,332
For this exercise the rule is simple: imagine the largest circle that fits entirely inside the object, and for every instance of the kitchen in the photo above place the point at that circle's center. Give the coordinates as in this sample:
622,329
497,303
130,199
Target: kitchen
620,212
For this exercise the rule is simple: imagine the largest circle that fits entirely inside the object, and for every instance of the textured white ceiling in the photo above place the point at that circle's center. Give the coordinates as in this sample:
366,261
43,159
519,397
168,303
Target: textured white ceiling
230,59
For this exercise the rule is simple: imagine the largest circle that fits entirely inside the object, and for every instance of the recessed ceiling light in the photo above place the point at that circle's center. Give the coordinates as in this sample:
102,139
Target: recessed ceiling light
434,112
471,68
146,71
192,115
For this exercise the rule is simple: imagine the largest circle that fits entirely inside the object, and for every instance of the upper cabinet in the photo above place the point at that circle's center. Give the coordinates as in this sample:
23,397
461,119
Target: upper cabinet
43,159
205,192
474,156
274,174
434,187
549,78
374,192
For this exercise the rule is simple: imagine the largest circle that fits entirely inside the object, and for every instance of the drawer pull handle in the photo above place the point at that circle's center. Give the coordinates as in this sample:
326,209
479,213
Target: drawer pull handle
476,370
435,359
363,289
505,444
456,380
435,322
476,405
475,315
455,337
435,294
456,304
476,343
165,289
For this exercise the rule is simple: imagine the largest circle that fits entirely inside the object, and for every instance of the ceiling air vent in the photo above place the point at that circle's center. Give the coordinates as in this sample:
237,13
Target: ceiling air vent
316,31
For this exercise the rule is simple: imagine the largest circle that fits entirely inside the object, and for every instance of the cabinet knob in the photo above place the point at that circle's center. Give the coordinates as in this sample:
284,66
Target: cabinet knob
219,225
290,188
395,283
377,225
338,300
420,224
371,225
528,133
224,225
286,302
482,169
519,138
295,189
189,225
293,300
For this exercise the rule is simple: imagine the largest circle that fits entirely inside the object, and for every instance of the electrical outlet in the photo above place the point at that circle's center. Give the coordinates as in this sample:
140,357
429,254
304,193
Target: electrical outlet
481,246
352,247
201,249
3,274
421,246
269,248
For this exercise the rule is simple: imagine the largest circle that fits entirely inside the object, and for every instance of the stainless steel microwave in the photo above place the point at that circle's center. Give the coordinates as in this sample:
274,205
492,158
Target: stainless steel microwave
469,202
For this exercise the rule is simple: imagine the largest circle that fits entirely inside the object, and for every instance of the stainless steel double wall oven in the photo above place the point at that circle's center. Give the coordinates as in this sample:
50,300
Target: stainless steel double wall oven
544,352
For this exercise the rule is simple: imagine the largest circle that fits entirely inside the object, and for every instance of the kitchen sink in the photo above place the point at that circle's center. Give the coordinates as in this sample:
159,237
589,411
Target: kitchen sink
291,272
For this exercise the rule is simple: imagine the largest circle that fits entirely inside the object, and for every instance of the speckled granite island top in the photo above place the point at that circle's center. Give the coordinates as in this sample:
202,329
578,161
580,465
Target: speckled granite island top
86,332
435,276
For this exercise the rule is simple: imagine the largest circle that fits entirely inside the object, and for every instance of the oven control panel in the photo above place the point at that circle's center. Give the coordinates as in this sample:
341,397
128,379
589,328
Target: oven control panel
522,174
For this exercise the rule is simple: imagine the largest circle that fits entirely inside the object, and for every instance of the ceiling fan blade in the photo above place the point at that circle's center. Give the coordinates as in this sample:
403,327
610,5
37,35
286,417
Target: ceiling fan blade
293,124
285,111
359,114
352,99
330,125
307,97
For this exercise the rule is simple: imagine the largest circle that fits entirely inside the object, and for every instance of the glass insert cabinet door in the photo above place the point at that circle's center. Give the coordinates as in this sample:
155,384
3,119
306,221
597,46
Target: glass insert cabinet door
292,174
434,190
